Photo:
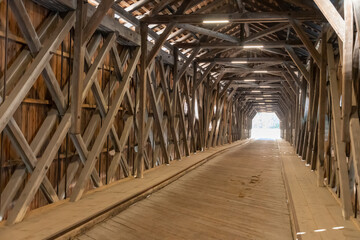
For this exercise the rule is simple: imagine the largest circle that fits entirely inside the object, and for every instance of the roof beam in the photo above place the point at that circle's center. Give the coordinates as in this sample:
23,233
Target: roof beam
298,63
244,60
247,17
163,37
137,5
302,3
268,79
333,17
253,70
271,30
96,19
207,45
305,39
208,32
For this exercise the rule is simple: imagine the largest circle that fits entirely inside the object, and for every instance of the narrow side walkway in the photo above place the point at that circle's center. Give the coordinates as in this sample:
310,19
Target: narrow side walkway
316,209
68,217
239,194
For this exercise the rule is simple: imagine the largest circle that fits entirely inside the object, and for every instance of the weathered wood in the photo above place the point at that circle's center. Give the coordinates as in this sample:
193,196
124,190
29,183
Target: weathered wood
81,143
184,68
95,20
218,79
208,32
226,45
305,39
347,73
107,123
135,146
333,17
322,112
298,63
21,206
158,118
11,103
355,146
270,30
83,152
29,157
205,74
35,45
162,4
182,122
142,104
77,80
191,109
340,146
115,162
248,17
170,110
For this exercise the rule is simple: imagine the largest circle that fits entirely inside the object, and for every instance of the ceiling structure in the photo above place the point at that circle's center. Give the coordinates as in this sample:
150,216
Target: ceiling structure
254,49
177,76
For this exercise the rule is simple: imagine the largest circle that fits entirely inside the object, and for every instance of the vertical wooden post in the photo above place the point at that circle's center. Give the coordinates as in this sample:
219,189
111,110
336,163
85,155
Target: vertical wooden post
142,111
313,118
303,117
193,98
342,176
322,112
296,124
175,79
230,120
174,91
347,70
78,68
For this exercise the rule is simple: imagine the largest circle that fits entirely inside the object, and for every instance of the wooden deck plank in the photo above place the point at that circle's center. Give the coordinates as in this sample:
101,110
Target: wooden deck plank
51,220
315,207
239,194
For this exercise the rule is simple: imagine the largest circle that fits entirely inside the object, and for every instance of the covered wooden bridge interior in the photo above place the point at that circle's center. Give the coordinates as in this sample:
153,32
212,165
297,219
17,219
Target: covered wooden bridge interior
106,103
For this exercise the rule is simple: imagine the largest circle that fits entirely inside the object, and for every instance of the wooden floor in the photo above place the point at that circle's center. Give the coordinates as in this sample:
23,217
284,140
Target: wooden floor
318,213
68,218
239,194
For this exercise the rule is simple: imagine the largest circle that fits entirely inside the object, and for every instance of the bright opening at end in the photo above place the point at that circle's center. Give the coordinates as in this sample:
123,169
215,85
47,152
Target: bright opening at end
265,126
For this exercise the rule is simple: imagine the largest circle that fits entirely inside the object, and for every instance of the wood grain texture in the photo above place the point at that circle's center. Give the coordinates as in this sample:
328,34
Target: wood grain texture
315,207
239,194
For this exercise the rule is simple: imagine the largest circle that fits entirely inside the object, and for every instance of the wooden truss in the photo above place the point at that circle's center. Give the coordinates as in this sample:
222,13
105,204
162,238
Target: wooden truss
171,129
166,85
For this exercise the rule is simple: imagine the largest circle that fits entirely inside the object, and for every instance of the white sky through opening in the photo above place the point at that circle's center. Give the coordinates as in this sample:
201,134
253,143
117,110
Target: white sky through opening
265,126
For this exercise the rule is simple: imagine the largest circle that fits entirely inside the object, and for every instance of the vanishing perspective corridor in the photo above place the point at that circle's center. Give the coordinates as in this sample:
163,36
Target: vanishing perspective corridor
180,119
239,194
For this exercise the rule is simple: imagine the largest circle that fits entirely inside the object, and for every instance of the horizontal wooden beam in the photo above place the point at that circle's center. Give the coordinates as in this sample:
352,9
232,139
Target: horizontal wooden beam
254,70
257,86
244,60
266,32
247,17
253,45
268,79
208,32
